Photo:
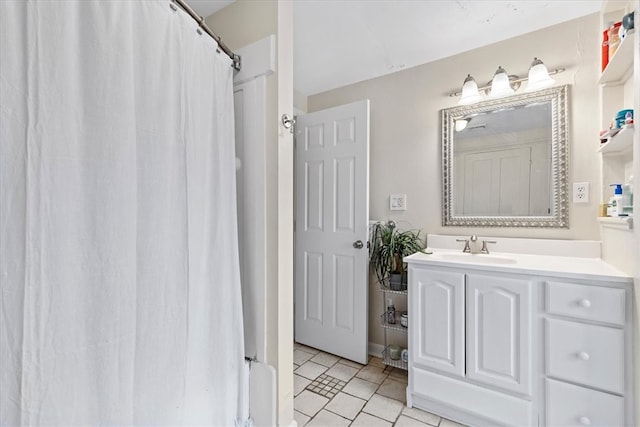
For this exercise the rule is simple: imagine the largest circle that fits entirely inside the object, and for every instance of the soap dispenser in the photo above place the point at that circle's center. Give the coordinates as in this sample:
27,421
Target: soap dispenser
614,208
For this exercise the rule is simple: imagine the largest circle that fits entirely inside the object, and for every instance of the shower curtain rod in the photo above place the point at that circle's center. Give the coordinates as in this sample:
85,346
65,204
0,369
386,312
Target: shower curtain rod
201,22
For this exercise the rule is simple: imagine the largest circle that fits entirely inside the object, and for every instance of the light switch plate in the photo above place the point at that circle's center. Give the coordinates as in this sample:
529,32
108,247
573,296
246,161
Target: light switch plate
398,202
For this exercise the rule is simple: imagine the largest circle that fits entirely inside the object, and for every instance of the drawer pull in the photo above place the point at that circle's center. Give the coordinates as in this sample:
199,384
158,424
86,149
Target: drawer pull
585,421
584,355
584,303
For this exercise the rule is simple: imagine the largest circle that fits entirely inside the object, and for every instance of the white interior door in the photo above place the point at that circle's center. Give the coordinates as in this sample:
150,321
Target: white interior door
332,214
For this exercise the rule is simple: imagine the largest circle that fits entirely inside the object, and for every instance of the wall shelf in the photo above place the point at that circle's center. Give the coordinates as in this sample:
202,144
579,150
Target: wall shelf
619,142
391,362
621,63
624,223
386,359
393,326
390,291
619,157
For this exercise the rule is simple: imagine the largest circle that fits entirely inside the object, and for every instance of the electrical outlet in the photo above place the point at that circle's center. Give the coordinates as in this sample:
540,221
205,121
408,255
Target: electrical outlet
580,192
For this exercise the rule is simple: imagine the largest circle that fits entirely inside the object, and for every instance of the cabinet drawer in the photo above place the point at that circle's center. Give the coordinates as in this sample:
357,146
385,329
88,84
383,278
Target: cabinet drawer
595,303
569,405
586,354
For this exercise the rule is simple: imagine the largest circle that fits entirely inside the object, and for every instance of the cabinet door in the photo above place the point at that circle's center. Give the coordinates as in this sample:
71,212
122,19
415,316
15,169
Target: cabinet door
436,324
499,332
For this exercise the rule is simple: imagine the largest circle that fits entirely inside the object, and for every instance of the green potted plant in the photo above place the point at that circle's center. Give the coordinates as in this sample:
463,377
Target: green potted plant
388,246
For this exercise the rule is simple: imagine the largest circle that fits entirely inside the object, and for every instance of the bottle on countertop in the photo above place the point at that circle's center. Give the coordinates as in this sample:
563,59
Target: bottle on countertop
391,312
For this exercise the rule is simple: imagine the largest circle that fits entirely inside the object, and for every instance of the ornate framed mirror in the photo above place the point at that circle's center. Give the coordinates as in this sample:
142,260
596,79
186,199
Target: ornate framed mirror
505,162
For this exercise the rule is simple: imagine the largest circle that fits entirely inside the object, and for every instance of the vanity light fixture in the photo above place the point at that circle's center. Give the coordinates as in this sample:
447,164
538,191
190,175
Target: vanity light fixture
470,94
538,76
500,85
504,84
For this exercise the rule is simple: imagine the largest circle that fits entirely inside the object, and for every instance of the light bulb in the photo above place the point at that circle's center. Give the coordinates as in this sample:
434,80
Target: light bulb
538,76
500,85
470,94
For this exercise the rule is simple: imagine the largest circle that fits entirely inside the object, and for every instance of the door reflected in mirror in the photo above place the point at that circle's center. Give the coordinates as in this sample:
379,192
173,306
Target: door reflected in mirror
504,161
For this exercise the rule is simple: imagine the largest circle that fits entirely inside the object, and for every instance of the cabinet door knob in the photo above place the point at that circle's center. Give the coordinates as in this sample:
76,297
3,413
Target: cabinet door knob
584,355
585,421
585,303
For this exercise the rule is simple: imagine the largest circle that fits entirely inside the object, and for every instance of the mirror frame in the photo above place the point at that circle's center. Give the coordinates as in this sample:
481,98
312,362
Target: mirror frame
559,218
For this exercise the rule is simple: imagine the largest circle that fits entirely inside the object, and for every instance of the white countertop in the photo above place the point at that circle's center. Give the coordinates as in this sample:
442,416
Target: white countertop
558,266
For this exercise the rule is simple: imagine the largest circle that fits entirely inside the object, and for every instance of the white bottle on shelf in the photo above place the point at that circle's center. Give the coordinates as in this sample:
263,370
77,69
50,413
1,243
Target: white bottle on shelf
614,208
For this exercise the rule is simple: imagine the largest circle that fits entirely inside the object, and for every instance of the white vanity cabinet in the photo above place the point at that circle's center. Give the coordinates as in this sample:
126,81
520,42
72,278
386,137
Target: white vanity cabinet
470,345
499,331
587,355
492,346
437,305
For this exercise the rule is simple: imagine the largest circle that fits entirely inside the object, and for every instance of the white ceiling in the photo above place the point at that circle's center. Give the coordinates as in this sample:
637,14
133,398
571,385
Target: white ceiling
340,42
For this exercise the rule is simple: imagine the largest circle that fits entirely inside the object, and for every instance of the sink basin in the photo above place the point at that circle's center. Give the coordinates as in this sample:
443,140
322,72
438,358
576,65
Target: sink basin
475,258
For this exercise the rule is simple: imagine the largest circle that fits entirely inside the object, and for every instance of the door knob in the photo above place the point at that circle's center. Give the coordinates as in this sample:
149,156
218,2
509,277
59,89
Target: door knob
358,244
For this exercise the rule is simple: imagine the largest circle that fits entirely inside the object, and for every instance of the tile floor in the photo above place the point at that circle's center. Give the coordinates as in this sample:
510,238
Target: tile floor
330,391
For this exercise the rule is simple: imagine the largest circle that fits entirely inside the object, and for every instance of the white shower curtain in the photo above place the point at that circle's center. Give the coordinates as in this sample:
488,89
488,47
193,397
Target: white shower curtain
120,290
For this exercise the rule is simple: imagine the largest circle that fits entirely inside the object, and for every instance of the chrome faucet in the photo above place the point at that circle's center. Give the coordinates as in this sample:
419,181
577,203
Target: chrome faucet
473,239
484,249
467,247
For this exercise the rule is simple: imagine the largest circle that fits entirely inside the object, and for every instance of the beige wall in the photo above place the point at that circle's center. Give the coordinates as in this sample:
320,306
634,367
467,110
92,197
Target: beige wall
244,22
300,101
240,24
405,152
